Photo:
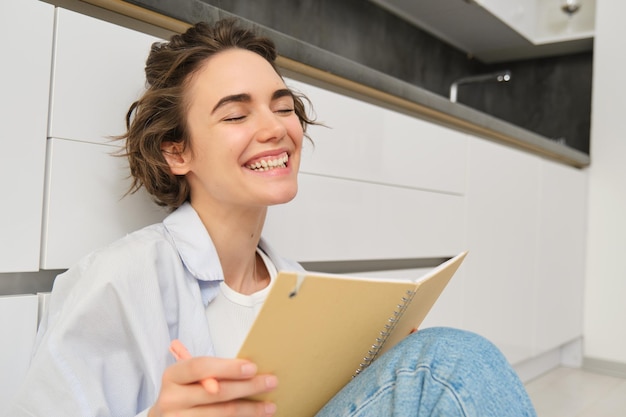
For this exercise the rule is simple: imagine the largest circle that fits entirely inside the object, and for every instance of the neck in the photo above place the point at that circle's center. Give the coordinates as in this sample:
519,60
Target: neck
236,234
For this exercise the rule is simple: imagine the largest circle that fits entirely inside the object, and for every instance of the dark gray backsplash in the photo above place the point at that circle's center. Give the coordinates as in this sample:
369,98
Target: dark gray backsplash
549,96
362,32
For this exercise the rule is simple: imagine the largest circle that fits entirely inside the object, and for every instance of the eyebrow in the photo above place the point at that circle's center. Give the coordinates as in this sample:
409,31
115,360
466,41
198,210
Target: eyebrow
246,98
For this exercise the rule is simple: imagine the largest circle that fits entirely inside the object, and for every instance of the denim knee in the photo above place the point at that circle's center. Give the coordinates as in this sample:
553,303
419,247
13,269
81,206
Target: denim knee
435,372
473,367
448,347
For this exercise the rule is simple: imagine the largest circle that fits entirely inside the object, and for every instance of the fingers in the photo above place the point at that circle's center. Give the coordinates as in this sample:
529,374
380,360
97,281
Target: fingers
237,379
180,352
198,368
191,395
212,386
230,390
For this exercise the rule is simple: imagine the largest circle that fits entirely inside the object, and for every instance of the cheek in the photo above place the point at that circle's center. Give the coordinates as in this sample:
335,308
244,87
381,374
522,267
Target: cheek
296,132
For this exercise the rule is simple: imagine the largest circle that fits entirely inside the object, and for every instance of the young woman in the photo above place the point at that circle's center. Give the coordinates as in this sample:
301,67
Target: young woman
217,138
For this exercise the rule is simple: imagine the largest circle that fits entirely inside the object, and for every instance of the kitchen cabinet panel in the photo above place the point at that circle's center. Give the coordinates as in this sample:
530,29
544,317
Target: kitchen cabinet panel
98,73
23,117
560,256
526,223
423,155
544,22
502,222
85,206
338,219
18,327
366,142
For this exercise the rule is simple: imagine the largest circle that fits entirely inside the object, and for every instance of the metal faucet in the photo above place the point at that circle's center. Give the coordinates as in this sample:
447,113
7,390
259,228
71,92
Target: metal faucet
502,76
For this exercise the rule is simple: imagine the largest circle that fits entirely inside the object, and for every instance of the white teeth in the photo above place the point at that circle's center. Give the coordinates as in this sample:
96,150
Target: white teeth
266,165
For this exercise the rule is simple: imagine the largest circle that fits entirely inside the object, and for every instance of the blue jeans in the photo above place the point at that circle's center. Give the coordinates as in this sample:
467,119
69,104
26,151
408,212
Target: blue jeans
436,372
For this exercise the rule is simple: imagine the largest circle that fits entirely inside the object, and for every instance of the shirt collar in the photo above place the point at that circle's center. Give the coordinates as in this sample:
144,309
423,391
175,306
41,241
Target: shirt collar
194,245
197,251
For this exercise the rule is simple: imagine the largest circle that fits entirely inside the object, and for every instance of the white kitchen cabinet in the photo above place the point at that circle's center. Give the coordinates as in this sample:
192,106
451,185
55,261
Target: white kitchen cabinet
502,223
338,219
18,327
98,73
553,25
561,246
367,142
85,206
543,22
526,222
25,72
521,15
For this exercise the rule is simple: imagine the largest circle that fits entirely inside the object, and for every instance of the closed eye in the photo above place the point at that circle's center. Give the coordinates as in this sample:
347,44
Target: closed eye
234,118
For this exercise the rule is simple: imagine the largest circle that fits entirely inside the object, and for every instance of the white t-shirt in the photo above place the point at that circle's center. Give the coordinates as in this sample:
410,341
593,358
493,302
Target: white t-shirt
231,314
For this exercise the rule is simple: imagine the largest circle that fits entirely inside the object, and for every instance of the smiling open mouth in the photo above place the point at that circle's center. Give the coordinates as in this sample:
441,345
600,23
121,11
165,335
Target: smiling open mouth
267,164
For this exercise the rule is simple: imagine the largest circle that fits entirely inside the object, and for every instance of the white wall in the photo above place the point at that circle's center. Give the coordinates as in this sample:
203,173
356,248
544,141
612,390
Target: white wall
605,293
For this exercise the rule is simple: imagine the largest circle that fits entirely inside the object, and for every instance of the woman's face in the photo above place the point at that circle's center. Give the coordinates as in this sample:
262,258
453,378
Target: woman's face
245,136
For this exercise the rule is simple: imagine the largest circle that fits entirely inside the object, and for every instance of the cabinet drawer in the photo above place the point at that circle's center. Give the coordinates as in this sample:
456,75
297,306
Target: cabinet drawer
85,207
337,219
366,142
18,327
560,256
98,73
503,215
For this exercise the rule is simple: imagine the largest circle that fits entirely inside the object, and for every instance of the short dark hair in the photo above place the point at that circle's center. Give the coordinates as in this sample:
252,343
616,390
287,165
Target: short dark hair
159,115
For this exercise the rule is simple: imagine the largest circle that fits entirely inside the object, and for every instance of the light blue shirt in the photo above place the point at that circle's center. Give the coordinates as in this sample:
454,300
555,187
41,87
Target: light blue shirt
103,346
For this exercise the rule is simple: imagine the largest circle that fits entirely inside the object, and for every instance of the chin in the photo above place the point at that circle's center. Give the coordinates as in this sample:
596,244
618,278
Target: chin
284,197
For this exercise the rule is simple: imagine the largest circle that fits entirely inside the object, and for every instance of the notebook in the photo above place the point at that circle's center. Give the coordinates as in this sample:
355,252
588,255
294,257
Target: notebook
317,331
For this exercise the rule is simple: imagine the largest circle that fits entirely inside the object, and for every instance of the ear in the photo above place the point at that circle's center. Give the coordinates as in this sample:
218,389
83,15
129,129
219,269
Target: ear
176,156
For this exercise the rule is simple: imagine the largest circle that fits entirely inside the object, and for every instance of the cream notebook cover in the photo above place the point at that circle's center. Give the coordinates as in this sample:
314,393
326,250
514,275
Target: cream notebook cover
316,331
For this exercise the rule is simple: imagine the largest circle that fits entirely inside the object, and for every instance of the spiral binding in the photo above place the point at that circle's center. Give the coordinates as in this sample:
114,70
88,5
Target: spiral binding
373,352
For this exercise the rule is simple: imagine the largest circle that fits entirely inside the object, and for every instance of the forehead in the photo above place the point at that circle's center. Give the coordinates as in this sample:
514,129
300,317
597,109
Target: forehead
234,71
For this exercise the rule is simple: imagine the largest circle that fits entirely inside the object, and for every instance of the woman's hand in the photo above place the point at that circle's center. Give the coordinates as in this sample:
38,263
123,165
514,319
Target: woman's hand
182,393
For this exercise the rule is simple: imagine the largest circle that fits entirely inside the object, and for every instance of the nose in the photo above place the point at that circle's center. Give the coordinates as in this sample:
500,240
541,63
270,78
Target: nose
270,127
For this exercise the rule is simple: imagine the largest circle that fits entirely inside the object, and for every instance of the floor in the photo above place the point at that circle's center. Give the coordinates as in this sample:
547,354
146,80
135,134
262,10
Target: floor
567,392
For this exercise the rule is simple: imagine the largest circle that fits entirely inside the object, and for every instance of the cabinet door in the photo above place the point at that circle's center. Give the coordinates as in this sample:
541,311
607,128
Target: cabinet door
18,326
502,223
336,219
362,141
25,75
85,206
560,256
98,73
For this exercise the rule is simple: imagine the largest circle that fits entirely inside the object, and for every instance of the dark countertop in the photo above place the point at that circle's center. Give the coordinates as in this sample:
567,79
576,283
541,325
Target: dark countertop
309,63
